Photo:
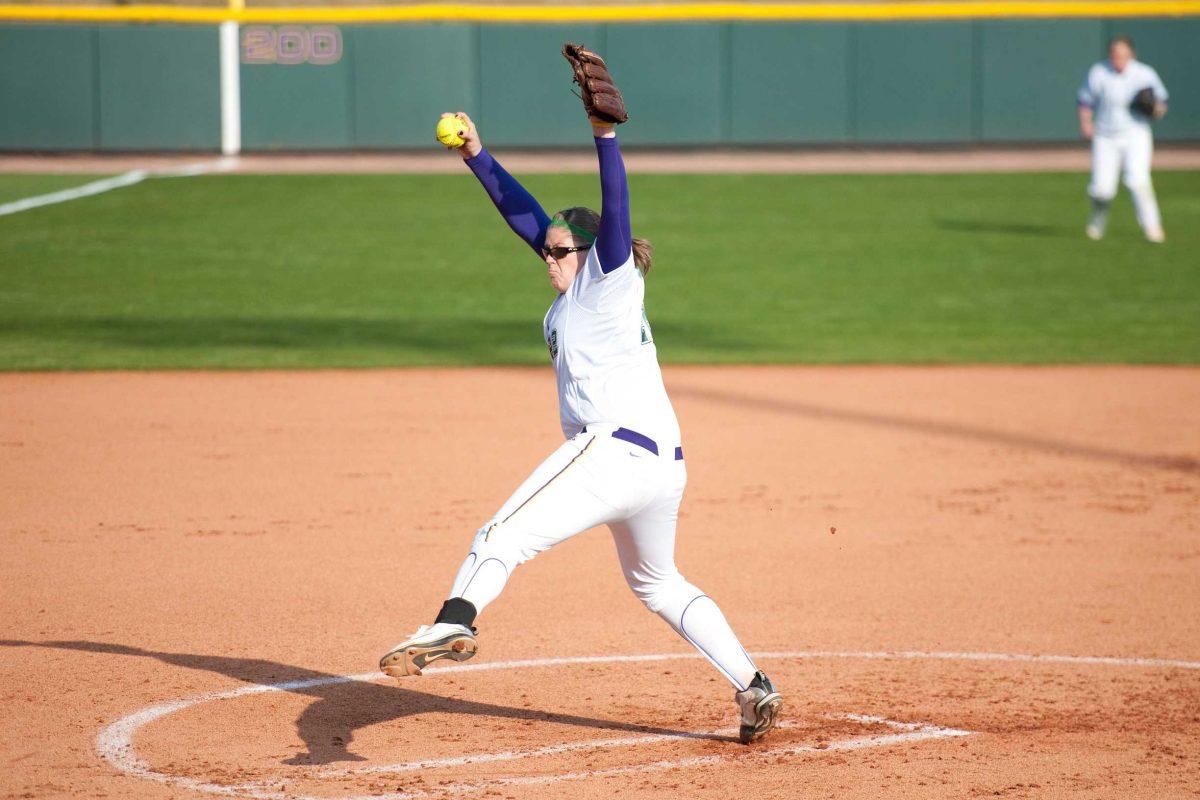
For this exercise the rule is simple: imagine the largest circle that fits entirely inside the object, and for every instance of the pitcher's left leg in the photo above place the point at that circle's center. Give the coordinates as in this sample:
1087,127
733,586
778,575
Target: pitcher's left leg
646,549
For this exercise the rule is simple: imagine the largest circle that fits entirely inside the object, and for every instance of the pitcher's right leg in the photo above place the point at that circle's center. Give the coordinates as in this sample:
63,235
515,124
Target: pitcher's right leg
553,504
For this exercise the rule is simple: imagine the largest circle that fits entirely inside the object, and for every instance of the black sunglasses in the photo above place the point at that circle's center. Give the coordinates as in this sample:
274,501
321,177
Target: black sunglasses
562,252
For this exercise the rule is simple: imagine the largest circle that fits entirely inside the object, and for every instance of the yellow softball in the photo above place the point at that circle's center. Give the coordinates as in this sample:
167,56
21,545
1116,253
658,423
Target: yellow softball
450,131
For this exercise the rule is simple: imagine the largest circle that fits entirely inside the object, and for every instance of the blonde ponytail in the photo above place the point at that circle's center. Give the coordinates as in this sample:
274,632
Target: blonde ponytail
643,254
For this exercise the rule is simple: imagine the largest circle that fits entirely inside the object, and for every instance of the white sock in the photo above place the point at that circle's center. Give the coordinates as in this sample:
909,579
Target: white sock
703,624
480,580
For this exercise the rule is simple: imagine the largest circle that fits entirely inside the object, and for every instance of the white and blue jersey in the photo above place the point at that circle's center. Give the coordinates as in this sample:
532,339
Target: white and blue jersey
605,361
597,333
1108,93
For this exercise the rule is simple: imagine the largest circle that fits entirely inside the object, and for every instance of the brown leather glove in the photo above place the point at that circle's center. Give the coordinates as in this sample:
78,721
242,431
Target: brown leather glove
601,98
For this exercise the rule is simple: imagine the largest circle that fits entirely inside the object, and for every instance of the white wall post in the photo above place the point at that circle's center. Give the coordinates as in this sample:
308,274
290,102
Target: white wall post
231,88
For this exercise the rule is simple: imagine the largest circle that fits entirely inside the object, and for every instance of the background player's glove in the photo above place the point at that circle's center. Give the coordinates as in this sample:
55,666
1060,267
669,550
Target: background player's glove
1143,103
601,98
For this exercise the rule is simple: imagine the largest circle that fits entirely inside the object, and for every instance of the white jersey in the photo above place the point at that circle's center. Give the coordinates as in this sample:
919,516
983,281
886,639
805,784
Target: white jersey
1109,94
604,357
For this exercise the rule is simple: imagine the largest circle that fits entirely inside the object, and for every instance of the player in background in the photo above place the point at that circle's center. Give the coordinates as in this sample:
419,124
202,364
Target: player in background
1121,137
622,462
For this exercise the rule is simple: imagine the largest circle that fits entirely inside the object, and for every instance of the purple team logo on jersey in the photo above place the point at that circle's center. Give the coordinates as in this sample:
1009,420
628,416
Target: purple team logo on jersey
552,343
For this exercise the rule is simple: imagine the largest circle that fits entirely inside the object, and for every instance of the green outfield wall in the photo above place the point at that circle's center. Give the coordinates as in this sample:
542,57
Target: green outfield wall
155,87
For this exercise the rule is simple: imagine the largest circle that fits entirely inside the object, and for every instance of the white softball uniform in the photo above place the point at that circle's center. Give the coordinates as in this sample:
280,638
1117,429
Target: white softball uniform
607,367
621,466
1123,142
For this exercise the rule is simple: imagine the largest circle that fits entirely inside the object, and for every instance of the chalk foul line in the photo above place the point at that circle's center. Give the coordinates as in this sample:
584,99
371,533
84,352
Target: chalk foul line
117,182
115,742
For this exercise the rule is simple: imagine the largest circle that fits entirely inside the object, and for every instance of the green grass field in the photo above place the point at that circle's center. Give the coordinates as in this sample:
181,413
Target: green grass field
374,270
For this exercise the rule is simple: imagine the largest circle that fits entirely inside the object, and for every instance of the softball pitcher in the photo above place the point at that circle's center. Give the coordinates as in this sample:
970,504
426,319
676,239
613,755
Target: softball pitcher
622,462
1117,102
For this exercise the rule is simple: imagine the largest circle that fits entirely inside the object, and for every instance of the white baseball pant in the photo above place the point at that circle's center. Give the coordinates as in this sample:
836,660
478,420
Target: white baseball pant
594,479
1127,153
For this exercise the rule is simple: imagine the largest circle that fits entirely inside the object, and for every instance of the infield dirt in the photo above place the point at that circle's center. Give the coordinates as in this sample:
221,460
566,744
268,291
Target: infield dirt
170,534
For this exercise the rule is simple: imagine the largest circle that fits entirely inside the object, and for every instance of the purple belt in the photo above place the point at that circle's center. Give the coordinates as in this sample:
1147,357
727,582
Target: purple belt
641,440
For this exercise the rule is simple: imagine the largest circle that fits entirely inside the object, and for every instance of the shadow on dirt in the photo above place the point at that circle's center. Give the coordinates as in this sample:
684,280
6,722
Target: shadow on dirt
1184,464
327,725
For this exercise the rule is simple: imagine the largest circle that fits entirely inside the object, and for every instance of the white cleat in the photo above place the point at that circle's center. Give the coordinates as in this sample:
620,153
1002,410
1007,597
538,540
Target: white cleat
1095,233
1155,235
760,705
430,643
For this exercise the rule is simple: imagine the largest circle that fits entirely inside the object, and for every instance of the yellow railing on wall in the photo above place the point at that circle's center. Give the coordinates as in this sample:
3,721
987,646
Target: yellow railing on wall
625,12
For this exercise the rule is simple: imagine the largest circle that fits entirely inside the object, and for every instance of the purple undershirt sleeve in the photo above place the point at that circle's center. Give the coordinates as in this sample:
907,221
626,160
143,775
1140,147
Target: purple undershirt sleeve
518,207
614,242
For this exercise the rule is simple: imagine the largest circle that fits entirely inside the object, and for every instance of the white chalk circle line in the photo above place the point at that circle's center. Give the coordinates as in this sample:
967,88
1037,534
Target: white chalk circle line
115,742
